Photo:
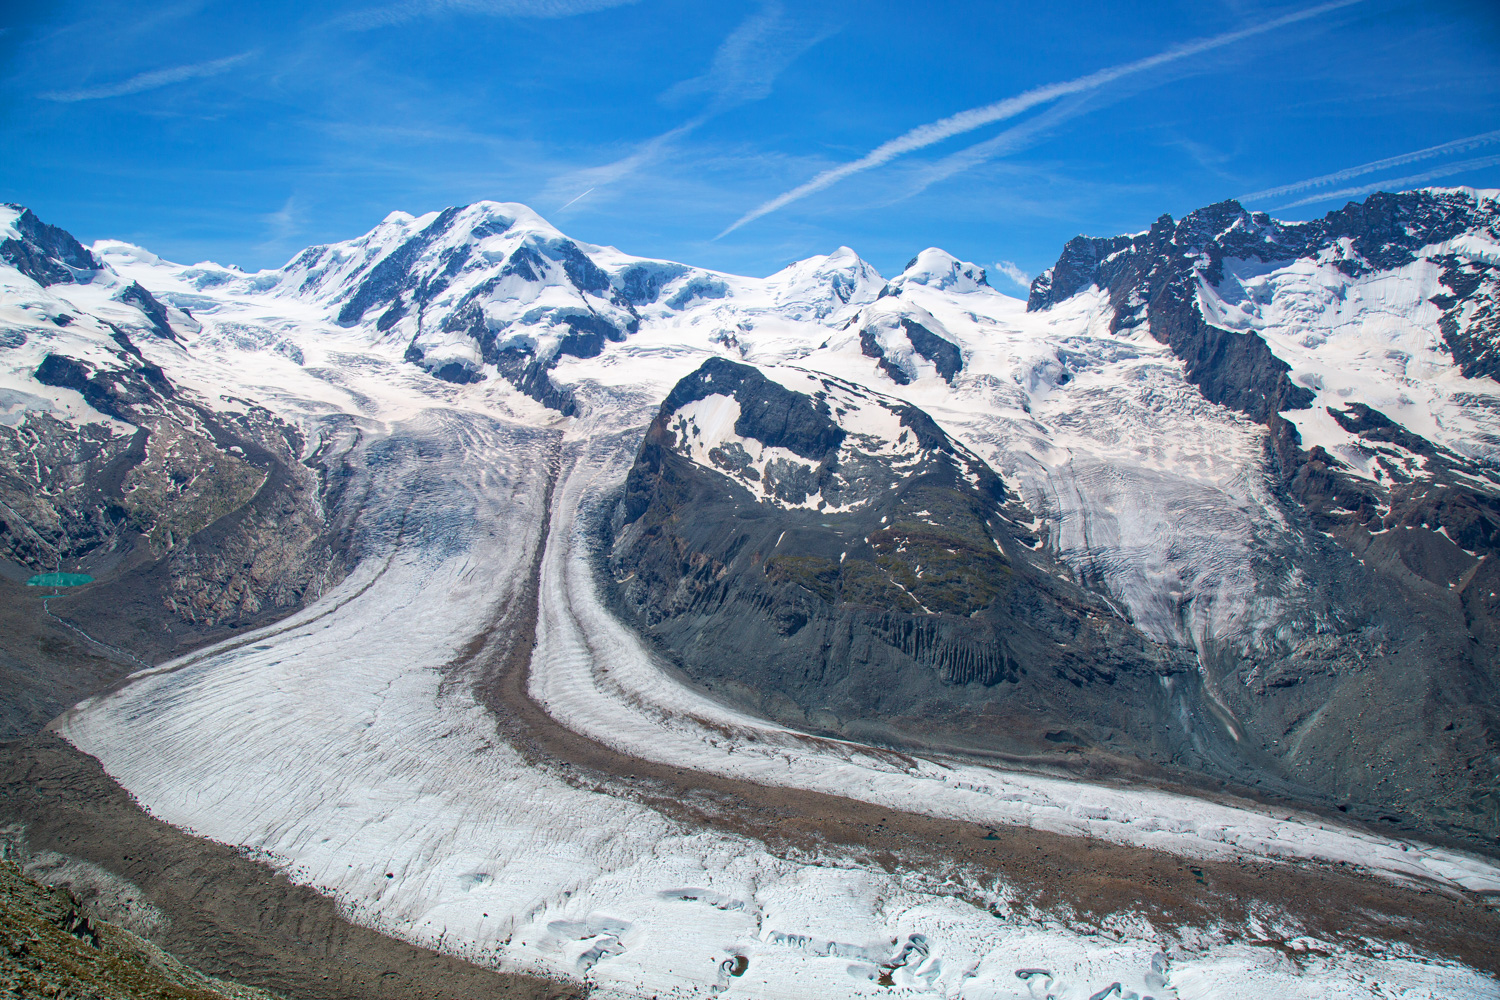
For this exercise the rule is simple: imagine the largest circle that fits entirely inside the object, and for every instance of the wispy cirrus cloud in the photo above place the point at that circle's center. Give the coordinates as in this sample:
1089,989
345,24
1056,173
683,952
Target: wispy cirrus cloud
744,69
967,121
592,178
410,10
1030,132
1375,166
747,63
1012,140
1398,183
151,81
282,227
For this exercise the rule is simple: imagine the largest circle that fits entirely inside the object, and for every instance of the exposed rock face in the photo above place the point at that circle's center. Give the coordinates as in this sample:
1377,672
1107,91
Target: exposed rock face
1154,280
193,524
899,335
45,254
1471,315
193,521
834,558
1414,611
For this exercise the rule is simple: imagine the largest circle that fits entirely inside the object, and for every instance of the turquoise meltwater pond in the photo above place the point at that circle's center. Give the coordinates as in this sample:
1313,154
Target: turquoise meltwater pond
59,580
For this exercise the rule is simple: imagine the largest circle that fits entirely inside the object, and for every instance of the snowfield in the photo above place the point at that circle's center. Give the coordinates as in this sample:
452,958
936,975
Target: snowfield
344,744
1372,339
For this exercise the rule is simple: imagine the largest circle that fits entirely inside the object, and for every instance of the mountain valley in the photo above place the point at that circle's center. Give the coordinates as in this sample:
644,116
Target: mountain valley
597,618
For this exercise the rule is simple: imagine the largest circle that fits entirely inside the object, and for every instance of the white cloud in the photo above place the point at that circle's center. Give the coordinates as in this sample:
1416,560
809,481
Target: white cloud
284,221
591,178
1012,140
967,121
749,60
1014,273
150,81
282,228
577,199
744,69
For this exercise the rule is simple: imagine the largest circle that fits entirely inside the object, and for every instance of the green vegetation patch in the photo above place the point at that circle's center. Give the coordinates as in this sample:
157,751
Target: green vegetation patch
943,570
937,555
821,576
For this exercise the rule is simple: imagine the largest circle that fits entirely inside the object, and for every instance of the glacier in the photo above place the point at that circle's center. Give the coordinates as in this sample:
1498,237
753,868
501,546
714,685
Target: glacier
346,745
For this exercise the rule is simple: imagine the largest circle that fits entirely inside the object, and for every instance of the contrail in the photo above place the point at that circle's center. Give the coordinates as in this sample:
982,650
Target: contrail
408,10
1456,146
579,198
1015,138
150,81
967,121
1399,183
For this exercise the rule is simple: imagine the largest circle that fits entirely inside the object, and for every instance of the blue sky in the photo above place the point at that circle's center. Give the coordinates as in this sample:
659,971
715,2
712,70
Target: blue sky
736,135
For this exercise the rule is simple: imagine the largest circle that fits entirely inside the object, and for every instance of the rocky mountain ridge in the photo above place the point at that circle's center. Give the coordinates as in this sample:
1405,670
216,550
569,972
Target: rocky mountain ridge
1414,508
195,517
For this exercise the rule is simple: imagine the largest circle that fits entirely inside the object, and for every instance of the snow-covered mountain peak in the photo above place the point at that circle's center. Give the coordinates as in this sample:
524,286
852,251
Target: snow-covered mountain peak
908,342
820,286
1475,194
114,252
57,279
939,269
799,439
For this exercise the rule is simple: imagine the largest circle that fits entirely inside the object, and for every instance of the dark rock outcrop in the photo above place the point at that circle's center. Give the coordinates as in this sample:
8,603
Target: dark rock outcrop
943,353
1470,323
870,348
913,614
153,310
46,254
394,274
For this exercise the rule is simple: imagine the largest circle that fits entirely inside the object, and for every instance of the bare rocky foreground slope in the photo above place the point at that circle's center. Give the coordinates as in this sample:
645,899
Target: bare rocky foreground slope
929,640
224,913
